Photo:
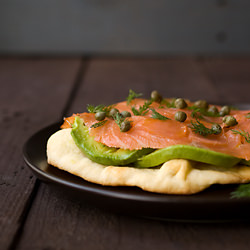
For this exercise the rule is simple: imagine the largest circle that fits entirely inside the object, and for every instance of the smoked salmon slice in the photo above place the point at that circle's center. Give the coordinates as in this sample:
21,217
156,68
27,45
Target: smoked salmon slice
148,132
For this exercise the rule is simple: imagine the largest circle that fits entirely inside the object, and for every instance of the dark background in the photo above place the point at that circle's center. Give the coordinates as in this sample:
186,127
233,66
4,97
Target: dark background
116,27
58,56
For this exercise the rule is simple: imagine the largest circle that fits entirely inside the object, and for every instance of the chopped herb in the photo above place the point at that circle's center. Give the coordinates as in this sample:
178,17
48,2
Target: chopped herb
243,190
113,112
118,118
248,116
243,133
162,103
196,114
94,109
211,114
99,108
132,95
121,121
201,129
158,116
98,124
171,104
143,110
135,111
200,112
161,107
233,108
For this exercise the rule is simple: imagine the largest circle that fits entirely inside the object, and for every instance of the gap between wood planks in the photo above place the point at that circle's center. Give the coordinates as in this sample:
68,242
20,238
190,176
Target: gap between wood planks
22,220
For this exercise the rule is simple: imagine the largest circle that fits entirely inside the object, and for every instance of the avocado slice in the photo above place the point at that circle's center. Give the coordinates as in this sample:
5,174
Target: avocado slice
99,152
186,152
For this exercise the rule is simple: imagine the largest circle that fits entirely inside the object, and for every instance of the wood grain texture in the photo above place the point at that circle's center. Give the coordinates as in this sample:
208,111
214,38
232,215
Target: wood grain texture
32,92
230,77
56,221
59,222
108,80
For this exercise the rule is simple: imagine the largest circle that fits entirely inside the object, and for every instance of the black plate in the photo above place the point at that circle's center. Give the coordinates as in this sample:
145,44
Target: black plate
213,204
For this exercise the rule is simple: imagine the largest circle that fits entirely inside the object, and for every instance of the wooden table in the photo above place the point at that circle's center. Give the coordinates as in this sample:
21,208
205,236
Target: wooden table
36,92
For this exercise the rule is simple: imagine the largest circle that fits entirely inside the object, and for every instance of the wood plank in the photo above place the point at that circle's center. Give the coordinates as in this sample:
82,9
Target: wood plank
231,78
108,80
33,93
56,221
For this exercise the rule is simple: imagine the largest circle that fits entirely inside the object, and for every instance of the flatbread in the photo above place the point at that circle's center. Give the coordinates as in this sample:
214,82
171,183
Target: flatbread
173,177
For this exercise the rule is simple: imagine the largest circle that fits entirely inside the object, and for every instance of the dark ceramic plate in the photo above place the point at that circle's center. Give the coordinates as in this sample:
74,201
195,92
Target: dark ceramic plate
213,204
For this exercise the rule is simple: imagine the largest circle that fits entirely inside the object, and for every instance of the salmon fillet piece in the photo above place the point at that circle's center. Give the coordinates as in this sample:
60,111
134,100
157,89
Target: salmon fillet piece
147,132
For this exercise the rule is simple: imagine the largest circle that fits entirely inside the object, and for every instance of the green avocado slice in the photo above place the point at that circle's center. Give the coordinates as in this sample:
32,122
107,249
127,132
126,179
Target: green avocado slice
160,156
100,153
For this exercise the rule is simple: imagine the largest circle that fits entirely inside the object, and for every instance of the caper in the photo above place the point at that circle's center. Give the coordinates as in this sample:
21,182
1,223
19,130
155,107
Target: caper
230,121
180,103
216,128
180,116
113,112
99,116
156,97
225,110
125,126
125,114
213,110
201,104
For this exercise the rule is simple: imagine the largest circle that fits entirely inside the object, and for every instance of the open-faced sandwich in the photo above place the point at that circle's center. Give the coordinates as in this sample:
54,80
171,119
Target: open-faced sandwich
171,146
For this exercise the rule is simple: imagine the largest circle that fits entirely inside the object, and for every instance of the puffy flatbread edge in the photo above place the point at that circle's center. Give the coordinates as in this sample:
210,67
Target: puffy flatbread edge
173,177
